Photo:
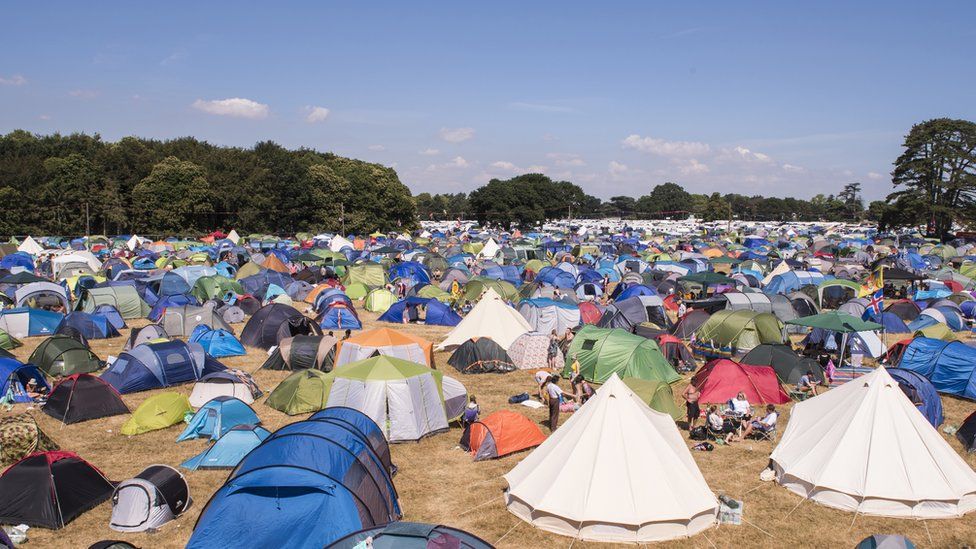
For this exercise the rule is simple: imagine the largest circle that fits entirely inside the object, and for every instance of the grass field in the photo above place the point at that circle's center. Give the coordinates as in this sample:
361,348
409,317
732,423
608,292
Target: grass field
439,483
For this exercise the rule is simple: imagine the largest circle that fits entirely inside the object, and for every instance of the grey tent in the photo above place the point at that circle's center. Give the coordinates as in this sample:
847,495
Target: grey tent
38,294
754,301
630,312
305,351
145,334
547,315
154,497
180,321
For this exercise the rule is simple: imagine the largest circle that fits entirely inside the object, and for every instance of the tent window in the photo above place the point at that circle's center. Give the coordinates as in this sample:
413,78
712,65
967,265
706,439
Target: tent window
589,344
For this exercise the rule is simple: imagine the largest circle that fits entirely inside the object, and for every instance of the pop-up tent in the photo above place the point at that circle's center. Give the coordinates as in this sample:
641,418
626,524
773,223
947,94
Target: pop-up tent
157,412
864,447
950,366
572,484
491,317
499,434
603,352
149,500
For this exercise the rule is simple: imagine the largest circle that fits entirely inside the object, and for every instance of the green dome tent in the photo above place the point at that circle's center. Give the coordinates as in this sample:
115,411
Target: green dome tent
602,352
8,342
300,393
739,330
357,290
157,412
379,300
61,355
370,274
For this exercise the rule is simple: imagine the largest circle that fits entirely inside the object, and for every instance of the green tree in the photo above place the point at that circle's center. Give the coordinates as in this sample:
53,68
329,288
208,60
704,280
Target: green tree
71,186
850,195
174,198
936,174
715,208
665,200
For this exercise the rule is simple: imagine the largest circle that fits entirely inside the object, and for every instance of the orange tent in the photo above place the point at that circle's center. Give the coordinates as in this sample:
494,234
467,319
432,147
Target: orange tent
501,433
272,262
385,341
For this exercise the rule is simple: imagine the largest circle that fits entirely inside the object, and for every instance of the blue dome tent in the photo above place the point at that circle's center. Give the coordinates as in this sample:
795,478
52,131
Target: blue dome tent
157,365
229,449
91,326
217,417
217,343
921,392
436,313
14,377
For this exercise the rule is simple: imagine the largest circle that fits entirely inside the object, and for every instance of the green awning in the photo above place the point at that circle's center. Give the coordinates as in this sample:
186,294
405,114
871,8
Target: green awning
837,321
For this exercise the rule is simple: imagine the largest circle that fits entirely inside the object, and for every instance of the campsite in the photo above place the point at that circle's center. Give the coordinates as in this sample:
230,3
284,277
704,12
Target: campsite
122,424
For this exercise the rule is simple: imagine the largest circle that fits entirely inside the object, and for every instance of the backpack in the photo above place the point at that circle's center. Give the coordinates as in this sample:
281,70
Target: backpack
698,433
518,398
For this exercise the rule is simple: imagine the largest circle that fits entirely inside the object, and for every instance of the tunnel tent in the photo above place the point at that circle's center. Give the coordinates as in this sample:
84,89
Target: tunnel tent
157,495
125,298
740,331
411,535
157,365
921,392
604,351
305,351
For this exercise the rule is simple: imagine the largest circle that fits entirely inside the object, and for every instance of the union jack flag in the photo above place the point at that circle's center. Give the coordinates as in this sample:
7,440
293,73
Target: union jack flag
876,306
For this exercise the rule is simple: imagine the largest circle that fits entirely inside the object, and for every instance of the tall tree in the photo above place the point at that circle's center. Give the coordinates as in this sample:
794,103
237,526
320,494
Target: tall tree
174,198
665,200
937,174
850,195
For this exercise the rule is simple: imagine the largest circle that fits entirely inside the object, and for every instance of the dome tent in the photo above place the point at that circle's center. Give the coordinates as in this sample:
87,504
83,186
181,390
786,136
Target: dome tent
308,351
950,366
29,484
217,417
721,380
82,397
531,350
656,394
411,535
435,312
183,320
359,423
233,383
228,450
273,323
15,376
217,343
146,334
60,355
149,500
480,356
302,392
967,433
921,392
20,436
499,434
864,447
545,315
788,365
157,365
571,484
157,412
603,352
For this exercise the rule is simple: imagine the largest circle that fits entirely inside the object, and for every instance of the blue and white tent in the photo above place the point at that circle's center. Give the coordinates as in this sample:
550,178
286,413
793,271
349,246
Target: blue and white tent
949,365
229,449
217,417
14,377
26,322
217,343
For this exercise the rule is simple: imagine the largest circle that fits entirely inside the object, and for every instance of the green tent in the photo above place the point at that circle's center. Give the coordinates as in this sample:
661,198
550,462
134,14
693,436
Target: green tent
210,287
379,300
124,298
655,394
478,285
356,290
370,274
604,351
837,321
8,341
742,329
433,292
707,278
937,331
302,392
158,412
61,355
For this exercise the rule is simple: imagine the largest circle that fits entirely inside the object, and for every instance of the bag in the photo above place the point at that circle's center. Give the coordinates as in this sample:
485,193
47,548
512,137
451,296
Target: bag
698,433
518,398
703,447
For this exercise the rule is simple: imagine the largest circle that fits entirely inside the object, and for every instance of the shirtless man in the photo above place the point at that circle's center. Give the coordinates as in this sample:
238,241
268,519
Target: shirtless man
691,395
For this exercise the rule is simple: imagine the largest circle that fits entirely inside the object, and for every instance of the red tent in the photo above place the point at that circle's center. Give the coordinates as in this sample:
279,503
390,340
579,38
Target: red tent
501,433
722,379
893,355
590,312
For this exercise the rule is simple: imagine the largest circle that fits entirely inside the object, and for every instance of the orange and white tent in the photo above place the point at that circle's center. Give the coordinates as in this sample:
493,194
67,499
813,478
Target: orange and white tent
386,342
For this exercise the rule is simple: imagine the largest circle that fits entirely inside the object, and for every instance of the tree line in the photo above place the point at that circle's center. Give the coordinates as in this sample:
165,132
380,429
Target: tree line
69,184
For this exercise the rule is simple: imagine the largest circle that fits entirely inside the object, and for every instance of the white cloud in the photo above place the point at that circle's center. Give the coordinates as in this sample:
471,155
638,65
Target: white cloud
505,166
566,159
377,148
874,175
429,152
45,117
749,155
236,106
616,168
15,80
456,135
693,167
316,114
457,162
661,147
792,168
83,94
537,168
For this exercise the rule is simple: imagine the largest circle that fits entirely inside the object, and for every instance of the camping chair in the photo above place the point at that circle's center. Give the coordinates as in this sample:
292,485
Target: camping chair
763,434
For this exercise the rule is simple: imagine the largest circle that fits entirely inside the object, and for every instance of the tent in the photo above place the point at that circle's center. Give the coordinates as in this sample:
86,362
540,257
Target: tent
60,355
82,397
491,317
8,342
435,313
370,274
379,300
51,489
157,412
675,351
149,500
602,352
339,316
302,392
688,324
726,333
548,315
967,433
146,334
630,312
232,383
531,351
273,323
721,380
614,444
950,366
218,416
228,450
788,365
864,447
182,320
125,298
307,485
404,398
37,294
921,392
499,434
309,351
656,394
14,377
386,342
26,322
20,436
157,365
90,326
411,535
217,343
360,424
480,356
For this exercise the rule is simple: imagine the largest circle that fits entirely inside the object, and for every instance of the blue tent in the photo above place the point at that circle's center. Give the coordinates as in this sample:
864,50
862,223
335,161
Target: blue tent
634,290
17,259
229,449
792,281
921,392
179,300
257,285
410,270
111,314
156,365
28,322
307,485
217,417
968,308
553,276
330,296
437,313
92,326
892,323
356,421
14,377
950,366
217,343
339,316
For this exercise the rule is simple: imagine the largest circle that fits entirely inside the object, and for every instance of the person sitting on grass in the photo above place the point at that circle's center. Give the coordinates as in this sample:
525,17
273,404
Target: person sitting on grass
807,384
764,425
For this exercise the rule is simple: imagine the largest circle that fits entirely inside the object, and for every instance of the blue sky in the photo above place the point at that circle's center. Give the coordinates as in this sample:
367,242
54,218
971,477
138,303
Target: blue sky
774,98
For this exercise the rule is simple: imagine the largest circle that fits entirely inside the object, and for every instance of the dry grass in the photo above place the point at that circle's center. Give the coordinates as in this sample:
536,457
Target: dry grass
439,483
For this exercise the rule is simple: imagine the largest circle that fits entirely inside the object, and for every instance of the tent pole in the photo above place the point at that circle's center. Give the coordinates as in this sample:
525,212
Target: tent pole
843,347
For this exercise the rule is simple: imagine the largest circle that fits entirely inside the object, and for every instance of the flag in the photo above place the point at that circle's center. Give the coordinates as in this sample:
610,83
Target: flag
875,306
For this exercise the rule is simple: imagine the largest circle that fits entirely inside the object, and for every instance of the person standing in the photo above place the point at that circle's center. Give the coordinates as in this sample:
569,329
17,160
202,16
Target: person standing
554,395
691,395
